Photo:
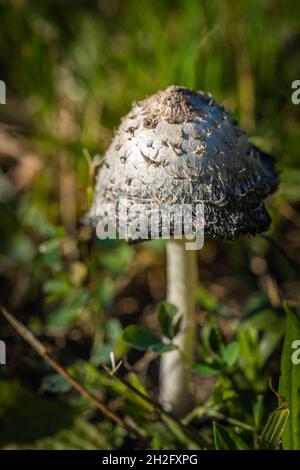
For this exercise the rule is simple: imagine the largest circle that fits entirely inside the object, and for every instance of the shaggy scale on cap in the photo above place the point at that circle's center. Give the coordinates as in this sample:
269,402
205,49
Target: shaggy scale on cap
179,146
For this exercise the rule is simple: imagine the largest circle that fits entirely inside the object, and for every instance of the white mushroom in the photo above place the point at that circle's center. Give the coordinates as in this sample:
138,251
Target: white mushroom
181,147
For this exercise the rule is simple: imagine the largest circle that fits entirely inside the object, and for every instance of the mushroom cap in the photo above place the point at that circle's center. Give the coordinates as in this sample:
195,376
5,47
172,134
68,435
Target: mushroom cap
180,147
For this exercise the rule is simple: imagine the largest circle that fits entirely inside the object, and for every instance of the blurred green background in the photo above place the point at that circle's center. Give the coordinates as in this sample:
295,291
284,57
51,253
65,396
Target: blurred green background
72,69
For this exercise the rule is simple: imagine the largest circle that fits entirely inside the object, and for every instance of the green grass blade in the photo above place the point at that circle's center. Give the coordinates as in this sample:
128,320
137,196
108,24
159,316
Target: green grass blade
225,439
289,385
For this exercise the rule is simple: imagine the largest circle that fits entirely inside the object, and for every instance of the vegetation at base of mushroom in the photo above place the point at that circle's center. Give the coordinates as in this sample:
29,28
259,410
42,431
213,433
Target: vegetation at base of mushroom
70,75
238,369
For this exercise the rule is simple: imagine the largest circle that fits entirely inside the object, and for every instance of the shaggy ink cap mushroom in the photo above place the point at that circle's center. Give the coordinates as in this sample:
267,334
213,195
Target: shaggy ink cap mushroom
180,147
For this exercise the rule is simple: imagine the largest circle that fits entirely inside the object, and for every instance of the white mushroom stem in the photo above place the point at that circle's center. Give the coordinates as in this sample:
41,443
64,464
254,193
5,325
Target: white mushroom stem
175,376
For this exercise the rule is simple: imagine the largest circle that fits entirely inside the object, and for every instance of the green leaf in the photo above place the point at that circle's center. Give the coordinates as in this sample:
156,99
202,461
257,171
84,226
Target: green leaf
50,245
271,327
135,381
289,385
213,340
144,340
110,338
206,299
55,286
205,370
55,383
274,428
258,410
249,355
63,317
225,439
181,437
139,337
162,347
231,353
169,321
